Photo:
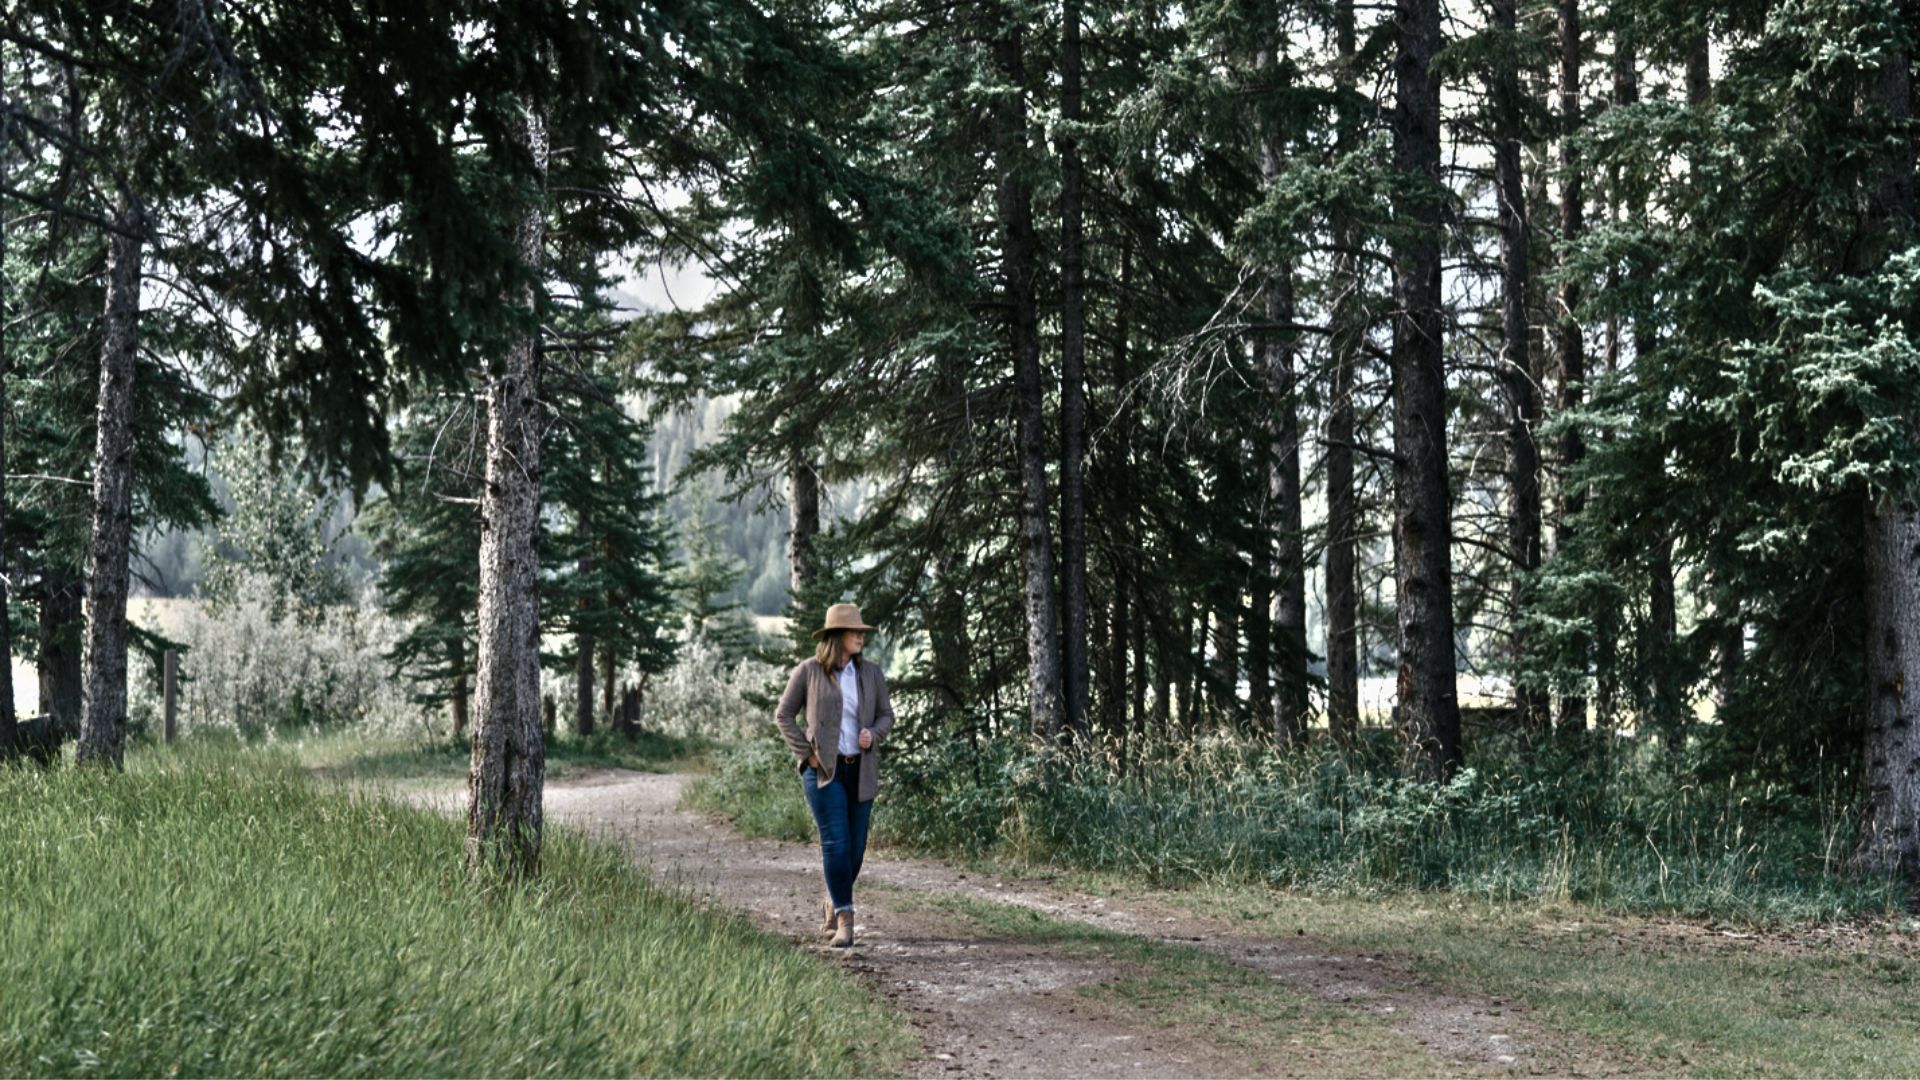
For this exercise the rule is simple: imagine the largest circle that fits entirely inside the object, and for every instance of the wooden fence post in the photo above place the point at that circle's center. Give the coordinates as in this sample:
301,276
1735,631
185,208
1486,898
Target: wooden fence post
171,693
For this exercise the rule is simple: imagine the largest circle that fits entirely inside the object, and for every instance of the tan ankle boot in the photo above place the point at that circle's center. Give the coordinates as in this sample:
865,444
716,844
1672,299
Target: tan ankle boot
831,921
843,937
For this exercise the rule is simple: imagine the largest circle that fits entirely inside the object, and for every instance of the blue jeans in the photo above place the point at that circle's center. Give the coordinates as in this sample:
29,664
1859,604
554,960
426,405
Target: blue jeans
842,819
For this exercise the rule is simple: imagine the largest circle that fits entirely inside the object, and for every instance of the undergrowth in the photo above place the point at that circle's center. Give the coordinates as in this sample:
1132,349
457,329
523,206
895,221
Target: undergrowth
1619,827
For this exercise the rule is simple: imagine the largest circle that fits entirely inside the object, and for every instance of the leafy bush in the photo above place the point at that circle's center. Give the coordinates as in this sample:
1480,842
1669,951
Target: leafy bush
252,672
705,695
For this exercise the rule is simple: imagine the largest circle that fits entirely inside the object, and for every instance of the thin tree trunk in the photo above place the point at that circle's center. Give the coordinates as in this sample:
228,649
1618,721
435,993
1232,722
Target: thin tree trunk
947,631
1573,360
1226,661
1196,626
103,709
1890,837
1162,676
609,679
1018,257
1519,378
508,770
1115,694
1277,346
1129,525
1349,332
9,736
61,675
458,647
1429,706
1073,394
803,522
1699,70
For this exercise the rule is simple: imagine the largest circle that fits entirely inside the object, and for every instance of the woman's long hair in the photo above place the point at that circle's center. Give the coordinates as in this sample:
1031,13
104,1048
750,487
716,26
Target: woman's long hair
832,650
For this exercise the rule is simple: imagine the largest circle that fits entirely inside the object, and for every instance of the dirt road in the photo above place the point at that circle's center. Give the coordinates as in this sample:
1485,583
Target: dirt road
994,1004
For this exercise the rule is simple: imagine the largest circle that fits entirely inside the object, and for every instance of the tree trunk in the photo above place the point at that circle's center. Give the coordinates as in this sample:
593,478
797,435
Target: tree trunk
1573,360
62,682
1699,69
1277,346
1226,661
1129,526
1519,378
1890,837
947,632
459,693
609,678
1115,694
583,668
1669,703
803,522
103,709
1196,627
508,770
1073,394
9,737
1349,333
1429,707
1163,675
1015,205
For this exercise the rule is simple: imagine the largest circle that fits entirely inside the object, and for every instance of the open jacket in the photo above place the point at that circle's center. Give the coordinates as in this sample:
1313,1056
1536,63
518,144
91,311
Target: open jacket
811,685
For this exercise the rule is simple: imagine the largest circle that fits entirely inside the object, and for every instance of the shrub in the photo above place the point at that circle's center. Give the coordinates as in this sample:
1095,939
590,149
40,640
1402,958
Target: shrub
253,673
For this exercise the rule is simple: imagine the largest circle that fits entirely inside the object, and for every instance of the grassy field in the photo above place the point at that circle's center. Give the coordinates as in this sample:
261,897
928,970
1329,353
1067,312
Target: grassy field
215,911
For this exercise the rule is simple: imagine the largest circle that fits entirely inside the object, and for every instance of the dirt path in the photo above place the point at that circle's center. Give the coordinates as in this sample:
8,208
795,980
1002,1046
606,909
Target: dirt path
989,1006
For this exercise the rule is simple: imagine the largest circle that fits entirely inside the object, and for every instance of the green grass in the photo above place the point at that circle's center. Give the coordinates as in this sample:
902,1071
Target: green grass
1685,998
214,911
349,755
1172,987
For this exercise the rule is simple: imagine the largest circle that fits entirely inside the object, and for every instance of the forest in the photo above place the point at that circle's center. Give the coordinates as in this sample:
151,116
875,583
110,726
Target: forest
1326,448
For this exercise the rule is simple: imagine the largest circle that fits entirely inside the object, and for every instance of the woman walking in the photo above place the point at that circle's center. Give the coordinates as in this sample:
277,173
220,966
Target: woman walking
847,714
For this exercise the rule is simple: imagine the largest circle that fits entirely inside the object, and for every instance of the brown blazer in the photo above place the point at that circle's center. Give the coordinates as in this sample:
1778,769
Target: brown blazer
813,686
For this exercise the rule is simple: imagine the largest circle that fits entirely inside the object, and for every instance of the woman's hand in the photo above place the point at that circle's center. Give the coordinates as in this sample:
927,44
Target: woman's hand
866,739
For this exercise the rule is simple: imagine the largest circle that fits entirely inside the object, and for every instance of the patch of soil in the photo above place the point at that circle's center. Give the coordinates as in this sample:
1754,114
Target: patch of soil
992,1007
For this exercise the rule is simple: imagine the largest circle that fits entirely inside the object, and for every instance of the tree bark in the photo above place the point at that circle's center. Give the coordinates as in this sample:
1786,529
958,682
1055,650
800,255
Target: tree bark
583,673
1015,206
458,696
9,737
103,709
1573,360
1073,395
609,679
508,770
61,674
1349,333
1429,706
803,522
1890,837
1519,378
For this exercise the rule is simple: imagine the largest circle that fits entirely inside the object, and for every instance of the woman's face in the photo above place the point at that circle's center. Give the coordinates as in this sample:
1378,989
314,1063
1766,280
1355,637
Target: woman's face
855,640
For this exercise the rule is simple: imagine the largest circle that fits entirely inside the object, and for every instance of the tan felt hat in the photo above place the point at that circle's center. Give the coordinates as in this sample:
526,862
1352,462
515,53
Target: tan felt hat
842,617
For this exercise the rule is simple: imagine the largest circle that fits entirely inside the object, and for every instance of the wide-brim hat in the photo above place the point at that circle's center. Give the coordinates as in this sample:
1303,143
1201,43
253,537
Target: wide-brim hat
842,617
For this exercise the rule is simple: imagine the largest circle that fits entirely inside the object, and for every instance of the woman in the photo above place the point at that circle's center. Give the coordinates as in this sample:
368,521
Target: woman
847,715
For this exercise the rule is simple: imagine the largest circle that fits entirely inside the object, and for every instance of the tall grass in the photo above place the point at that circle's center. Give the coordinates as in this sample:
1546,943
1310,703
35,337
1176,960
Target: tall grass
212,911
1616,827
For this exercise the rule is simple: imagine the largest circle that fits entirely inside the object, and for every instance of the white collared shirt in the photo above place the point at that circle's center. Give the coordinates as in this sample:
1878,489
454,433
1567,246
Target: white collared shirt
849,709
